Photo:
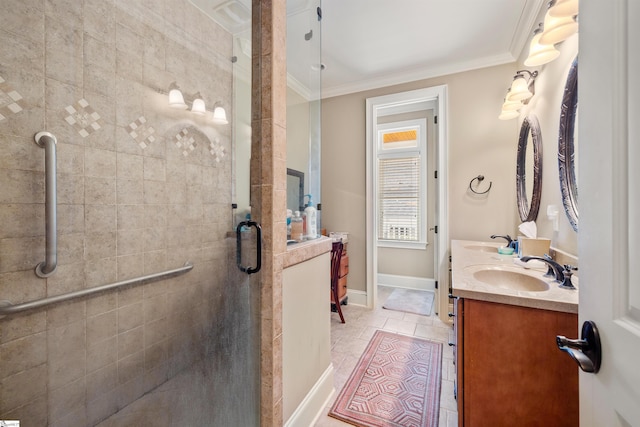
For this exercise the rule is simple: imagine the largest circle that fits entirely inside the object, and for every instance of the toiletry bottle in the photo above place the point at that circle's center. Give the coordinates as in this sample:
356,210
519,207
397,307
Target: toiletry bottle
289,215
310,220
296,227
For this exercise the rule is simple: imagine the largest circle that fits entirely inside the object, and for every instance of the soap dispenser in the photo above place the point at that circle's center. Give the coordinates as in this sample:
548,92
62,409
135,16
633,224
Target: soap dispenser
310,219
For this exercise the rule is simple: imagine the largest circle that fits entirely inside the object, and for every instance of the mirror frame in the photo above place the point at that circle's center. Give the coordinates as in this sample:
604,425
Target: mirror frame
299,175
566,148
529,212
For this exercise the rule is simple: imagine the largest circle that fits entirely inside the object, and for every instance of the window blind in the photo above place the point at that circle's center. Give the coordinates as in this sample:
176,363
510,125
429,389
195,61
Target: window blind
398,199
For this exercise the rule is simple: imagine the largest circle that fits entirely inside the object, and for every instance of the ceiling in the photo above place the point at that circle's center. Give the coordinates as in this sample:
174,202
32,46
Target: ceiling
374,43
367,44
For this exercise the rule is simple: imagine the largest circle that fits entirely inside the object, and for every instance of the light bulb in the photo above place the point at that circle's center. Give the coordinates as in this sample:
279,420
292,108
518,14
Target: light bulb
557,30
563,8
198,107
540,54
519,89
219,116
176,100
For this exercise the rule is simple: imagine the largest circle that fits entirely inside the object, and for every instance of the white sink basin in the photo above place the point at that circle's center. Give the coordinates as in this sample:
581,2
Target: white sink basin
483,248
509,278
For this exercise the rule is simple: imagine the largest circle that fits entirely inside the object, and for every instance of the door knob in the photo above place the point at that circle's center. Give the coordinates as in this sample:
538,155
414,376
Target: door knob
586,351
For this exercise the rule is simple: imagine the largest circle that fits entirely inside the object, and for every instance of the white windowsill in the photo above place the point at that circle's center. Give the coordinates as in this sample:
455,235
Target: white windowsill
402,245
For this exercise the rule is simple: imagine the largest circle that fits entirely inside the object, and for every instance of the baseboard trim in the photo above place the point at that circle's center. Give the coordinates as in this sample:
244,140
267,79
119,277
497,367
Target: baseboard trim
315,402
357,297
407,282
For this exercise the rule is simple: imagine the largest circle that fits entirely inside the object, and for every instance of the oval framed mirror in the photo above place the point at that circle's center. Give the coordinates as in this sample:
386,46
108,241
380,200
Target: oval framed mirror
529,159
567,146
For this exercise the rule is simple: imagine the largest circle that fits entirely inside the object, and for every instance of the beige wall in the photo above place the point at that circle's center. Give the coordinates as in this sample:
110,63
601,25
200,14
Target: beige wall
478,143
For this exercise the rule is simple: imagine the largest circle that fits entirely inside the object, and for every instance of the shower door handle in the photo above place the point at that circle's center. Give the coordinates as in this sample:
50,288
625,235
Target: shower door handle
249,270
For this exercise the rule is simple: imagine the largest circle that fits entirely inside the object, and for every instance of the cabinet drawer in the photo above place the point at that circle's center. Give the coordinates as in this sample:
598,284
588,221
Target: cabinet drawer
344,266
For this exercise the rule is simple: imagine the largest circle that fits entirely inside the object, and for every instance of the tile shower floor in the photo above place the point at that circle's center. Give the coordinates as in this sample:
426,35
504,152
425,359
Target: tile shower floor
349,340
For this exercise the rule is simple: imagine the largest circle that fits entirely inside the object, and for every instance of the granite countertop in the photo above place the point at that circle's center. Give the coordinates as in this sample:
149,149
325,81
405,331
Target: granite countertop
303,251
467,255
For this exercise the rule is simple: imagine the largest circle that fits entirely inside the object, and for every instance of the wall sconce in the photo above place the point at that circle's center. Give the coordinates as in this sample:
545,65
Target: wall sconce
557,30
219,115
510,109
562,8
198,105
521,88
540,54
177,100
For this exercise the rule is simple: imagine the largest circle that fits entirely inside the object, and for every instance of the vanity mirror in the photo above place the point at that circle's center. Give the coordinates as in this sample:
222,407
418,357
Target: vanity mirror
567,146
529,169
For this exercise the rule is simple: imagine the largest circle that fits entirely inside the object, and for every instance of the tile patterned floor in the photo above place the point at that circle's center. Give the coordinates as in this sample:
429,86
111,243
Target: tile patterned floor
349,340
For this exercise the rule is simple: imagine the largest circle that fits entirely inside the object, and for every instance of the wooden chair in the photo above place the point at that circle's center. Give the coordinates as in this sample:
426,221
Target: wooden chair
336,257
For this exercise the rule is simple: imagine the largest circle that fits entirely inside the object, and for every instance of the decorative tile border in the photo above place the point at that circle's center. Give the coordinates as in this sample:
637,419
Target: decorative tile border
141,132
185,142
83,118
217,150
11,102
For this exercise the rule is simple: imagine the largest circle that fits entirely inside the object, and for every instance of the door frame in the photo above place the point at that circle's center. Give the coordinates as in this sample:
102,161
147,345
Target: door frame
437,94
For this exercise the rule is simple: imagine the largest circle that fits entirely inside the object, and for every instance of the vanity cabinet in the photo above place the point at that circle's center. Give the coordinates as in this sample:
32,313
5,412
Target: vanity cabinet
509,370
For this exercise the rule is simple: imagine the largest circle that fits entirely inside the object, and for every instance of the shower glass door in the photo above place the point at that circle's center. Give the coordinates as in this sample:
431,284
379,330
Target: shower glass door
145,184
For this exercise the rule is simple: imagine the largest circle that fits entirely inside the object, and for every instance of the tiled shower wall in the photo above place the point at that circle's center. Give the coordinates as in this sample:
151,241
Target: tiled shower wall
141,188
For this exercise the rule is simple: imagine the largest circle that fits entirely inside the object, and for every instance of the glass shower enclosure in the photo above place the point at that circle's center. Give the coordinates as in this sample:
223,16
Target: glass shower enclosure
139,315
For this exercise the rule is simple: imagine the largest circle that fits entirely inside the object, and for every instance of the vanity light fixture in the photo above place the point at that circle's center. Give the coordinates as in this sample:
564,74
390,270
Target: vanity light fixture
540,54
177,100
510,109
521,88
219,115
198,105
558,29
562,8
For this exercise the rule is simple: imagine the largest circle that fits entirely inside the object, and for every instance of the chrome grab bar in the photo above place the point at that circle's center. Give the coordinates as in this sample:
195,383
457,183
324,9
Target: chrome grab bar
7,308
48,266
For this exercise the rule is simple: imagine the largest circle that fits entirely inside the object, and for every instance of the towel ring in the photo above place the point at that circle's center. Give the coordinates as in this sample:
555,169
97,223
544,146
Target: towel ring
479,178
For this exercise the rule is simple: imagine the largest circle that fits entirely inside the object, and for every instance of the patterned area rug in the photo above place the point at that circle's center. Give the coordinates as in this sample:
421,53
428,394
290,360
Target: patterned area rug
410,301
395,383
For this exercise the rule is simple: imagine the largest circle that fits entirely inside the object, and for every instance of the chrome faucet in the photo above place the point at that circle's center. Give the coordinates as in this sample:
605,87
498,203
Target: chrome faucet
507,238
561,274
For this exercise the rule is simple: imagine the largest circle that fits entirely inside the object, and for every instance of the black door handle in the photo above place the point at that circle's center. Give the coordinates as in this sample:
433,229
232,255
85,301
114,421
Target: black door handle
586,351
249,270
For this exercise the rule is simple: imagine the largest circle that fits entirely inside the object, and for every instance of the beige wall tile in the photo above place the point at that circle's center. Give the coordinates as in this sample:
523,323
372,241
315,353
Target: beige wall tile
130,341
131,367
99,191
22,388
130,317
99,163
21,286
66,348
101,381
66,400
102,354
101,327
99,245
100,218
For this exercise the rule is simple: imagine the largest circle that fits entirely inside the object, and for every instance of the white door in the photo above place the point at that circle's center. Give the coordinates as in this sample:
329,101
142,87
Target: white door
609,185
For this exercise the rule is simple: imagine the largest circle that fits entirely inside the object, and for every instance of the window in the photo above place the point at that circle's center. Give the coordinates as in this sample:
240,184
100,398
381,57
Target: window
401,183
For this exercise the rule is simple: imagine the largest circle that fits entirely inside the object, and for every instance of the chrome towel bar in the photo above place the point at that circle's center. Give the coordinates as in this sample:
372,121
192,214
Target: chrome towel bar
48,266
7,308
